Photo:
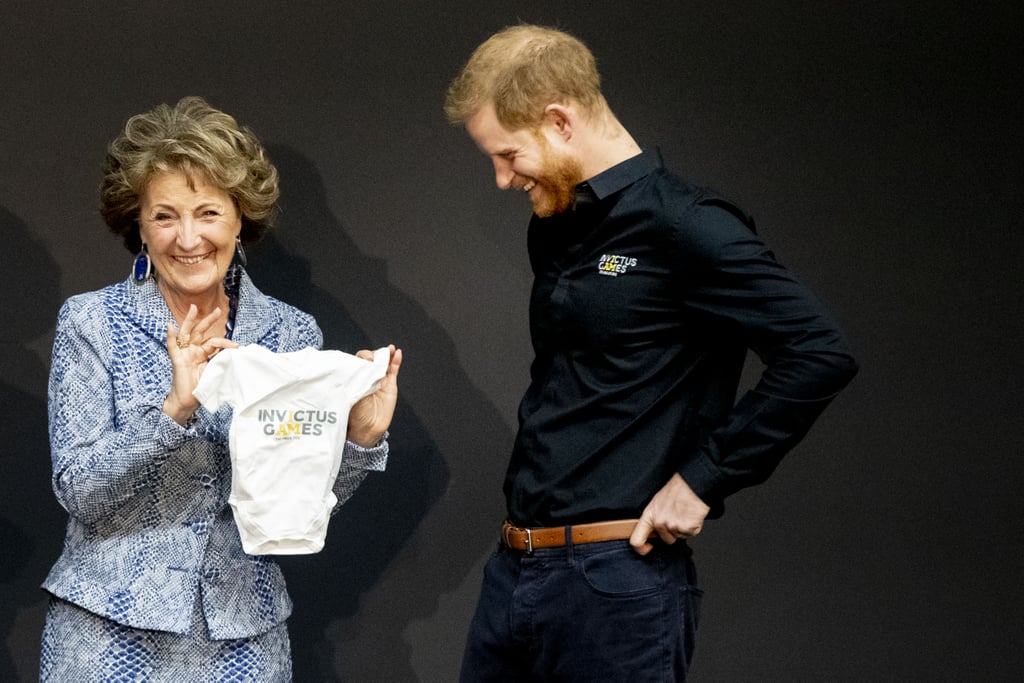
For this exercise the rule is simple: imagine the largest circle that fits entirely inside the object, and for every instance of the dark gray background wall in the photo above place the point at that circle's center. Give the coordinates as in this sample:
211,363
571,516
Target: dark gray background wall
878,145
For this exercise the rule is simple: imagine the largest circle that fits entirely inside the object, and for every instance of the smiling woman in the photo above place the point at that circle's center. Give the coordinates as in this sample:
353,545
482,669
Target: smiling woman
191,137
153,582
189,229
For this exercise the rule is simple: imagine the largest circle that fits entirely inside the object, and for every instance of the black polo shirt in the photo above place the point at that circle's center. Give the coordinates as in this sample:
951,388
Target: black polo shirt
645,299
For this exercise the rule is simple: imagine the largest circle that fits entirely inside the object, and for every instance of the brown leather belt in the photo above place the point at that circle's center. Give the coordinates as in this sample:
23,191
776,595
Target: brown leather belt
554,537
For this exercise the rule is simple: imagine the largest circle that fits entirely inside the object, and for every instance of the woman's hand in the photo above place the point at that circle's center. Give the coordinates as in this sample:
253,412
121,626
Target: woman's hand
190,348
370,418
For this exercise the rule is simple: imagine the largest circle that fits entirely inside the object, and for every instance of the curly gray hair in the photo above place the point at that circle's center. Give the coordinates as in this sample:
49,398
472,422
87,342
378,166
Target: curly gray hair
194,138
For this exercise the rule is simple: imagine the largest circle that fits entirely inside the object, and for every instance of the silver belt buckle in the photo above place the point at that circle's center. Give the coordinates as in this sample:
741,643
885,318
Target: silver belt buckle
529,542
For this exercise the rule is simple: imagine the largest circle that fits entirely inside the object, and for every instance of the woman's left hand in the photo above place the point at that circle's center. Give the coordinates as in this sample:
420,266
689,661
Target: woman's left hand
370,418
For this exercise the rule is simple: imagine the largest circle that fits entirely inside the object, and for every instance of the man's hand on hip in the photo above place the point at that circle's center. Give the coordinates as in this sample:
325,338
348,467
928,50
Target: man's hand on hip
675,512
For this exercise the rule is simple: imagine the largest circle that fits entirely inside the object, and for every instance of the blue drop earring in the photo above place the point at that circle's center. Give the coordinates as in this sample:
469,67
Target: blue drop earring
240,252
142,268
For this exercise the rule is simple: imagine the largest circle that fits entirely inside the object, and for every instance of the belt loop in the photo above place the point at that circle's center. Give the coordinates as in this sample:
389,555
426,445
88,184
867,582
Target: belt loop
529,542
570,547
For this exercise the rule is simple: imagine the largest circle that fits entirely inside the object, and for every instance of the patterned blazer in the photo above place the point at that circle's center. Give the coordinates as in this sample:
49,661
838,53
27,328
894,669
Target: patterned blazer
149,529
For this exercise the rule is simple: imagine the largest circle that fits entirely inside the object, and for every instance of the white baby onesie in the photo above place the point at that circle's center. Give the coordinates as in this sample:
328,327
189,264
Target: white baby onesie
286,438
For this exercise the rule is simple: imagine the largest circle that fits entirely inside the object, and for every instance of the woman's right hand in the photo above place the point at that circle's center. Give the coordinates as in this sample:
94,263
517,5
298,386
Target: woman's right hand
190,350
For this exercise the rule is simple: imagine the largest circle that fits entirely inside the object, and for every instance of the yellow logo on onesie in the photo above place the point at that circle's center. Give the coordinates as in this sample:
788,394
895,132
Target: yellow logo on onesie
295,424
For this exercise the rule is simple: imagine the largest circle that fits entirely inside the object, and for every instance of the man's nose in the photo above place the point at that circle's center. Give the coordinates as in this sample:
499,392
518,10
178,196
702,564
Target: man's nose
503,174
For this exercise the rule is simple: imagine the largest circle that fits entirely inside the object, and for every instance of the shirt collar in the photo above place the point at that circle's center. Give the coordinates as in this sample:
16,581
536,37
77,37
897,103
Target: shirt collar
617,177
254,316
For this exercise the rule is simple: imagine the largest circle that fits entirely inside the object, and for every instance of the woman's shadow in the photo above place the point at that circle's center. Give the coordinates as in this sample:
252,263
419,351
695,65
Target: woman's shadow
411,534
31,521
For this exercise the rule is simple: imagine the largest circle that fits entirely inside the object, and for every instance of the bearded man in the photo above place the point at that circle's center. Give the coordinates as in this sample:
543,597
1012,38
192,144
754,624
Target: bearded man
648,292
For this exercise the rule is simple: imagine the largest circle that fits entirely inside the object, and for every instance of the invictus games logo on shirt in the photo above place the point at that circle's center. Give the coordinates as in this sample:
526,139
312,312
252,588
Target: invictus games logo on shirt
613,265
294,424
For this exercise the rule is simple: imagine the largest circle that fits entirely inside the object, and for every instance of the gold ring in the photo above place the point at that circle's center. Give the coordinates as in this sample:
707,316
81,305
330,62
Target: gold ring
182,342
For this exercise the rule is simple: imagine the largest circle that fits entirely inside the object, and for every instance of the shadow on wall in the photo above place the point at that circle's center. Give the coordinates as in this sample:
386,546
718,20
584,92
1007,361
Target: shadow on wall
411,534
31,522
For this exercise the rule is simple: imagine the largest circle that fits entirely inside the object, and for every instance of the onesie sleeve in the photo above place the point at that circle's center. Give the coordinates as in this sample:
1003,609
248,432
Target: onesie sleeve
211,390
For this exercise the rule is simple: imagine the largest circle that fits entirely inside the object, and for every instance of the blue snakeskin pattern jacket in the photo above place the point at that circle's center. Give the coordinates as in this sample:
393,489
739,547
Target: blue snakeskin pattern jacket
149,530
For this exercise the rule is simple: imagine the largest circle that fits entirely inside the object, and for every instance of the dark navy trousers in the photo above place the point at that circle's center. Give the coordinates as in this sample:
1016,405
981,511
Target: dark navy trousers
587,612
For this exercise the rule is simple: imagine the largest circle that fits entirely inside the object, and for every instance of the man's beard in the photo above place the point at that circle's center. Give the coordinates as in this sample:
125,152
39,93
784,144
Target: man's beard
562,173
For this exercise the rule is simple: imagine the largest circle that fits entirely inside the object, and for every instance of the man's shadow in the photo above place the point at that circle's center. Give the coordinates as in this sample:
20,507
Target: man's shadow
449,446
31,521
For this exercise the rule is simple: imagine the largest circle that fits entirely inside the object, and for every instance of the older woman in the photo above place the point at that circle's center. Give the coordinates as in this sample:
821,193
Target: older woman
153,583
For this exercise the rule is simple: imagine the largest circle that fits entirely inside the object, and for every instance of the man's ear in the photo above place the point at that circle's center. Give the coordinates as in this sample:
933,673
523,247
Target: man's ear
561,119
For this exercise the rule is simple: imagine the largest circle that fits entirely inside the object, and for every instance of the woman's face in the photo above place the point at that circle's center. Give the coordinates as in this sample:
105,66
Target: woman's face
189,232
